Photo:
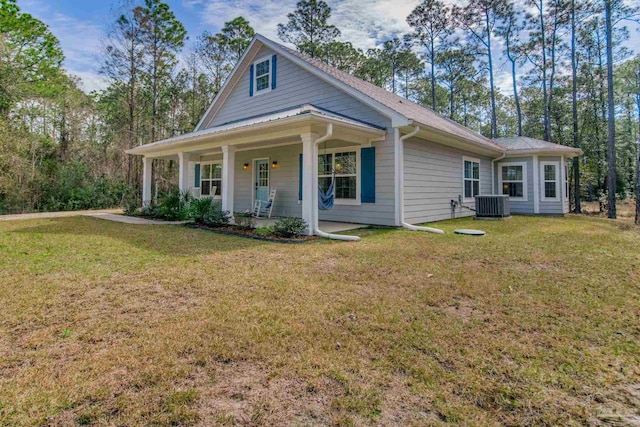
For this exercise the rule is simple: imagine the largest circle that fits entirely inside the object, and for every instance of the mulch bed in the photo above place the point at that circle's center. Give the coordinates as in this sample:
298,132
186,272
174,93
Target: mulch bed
248,233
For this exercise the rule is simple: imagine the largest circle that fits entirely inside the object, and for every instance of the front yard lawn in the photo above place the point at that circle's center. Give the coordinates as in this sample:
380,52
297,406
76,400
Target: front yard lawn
537,323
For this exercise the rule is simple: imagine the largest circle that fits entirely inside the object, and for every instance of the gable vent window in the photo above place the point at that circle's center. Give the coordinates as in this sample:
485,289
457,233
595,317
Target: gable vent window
262,75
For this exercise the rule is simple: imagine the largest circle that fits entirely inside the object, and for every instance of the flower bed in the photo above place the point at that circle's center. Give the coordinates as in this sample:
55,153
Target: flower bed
250,233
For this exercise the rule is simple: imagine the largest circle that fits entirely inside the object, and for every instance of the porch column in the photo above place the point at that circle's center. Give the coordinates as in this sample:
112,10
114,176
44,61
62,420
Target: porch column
147,163
228,169
309,189
183,171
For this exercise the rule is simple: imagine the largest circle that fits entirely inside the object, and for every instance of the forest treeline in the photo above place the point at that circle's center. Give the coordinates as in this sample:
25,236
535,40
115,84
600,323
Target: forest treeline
572,81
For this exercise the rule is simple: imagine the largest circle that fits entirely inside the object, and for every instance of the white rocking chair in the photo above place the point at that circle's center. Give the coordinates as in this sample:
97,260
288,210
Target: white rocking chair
265,206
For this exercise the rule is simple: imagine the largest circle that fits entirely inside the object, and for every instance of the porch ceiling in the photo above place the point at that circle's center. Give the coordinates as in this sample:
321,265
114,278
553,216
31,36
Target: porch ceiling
284,127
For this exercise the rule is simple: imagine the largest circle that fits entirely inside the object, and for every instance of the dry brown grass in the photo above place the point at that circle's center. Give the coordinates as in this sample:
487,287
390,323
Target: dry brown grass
536,323
625,209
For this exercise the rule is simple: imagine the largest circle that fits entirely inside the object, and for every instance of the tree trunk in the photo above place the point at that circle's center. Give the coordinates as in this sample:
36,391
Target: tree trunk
545,94
494,121
433,76
515,96
637,220
611,143
574,107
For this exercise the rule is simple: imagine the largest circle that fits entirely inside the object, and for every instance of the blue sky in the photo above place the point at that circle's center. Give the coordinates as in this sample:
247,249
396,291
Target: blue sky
80,25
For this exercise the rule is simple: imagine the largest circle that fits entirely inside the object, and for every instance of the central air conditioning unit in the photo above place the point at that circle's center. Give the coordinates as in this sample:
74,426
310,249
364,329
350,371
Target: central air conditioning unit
496,206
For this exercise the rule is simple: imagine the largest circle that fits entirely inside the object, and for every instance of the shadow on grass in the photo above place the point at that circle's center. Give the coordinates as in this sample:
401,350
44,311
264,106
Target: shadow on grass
175,240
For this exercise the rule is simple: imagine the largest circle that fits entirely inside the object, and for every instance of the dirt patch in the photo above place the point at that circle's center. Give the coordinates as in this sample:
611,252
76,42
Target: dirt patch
619,407
464,309
244,393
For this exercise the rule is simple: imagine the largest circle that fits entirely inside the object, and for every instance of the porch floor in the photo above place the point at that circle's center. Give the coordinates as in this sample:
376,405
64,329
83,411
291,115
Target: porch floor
326,226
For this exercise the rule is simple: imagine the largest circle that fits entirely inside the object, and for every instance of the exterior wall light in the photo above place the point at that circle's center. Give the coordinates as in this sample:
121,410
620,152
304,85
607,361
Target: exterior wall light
275,165
245,167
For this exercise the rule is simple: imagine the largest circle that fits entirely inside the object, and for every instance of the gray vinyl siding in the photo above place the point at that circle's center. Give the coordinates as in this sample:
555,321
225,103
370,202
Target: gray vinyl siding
519,207
551,207
295,86
286,179
382,212
433,176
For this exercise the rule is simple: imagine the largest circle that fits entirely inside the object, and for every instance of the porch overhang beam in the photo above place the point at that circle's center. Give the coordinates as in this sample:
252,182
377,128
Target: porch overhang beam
262,131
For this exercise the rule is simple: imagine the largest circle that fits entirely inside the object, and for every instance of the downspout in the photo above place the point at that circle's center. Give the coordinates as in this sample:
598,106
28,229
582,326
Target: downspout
493,172
314,199
401,195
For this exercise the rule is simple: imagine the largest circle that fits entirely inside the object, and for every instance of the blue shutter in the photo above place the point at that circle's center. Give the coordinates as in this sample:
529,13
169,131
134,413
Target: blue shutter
300,178
196,184
251,80
273,72
368,175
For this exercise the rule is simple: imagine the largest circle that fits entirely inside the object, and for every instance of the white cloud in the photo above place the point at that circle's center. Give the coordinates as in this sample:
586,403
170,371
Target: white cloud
365,23
90,80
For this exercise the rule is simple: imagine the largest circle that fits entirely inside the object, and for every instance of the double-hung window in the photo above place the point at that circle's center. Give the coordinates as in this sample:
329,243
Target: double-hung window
210,179
263,75
345,165
551,180
513,178
471,170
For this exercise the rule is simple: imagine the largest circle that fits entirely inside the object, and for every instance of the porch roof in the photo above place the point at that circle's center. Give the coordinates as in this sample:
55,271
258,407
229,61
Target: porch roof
305,115
522,145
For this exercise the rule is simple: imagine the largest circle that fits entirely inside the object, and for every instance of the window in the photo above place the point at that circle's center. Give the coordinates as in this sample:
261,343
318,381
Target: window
471,178
345,165
550,180
262,75
513,180
210,176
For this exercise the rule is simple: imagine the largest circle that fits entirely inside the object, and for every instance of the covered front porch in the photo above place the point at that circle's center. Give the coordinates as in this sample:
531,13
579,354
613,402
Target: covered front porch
242,162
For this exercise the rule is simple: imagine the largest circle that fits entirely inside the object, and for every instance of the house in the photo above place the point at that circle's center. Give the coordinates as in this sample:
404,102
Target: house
288,121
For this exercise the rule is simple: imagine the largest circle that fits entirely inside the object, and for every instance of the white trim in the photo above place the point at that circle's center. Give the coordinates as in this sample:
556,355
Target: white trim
347,149
254,171
257,92
473,160
543,182
536,185
525,195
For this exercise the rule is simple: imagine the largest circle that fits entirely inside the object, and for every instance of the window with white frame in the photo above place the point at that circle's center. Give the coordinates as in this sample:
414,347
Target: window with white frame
471,185
210,177
551,180
513,180
262,75
345,165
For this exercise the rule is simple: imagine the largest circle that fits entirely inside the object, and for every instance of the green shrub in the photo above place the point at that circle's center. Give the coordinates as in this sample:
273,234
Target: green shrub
290,227
171,206
209,212
199,209
244,220
264,231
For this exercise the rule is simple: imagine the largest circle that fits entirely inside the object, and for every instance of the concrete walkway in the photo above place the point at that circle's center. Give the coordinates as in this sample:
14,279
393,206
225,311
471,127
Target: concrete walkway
16,217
